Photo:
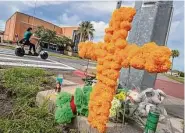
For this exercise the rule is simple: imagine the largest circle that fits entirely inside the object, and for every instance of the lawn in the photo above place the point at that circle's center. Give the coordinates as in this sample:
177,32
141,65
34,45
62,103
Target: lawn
179,79
18,110
7,47
63,56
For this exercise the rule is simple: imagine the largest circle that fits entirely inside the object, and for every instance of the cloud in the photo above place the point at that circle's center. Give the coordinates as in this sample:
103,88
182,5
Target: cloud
65,19
2,24
99,30
41,3
174,26
104,6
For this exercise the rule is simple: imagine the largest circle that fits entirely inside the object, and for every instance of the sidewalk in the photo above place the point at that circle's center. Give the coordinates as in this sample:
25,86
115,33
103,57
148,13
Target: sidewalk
174,106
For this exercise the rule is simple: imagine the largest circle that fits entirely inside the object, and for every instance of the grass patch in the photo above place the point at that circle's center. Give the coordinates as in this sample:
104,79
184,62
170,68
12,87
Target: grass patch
179,79
63,56
7,47
25,116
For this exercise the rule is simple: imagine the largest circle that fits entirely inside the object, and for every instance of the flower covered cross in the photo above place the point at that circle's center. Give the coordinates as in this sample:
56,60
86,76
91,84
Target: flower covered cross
113,54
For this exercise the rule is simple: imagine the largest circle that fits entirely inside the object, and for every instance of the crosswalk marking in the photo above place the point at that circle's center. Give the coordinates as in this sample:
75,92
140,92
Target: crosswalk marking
7,58
36,65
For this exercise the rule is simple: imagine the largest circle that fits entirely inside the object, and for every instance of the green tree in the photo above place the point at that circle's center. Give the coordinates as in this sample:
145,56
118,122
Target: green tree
40,31
45,34
86,31
175,54
50,36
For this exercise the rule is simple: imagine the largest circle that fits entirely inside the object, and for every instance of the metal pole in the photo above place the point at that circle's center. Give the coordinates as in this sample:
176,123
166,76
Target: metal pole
34,14
118,4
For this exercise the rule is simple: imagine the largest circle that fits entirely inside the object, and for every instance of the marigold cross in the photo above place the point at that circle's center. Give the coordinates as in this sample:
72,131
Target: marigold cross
113,54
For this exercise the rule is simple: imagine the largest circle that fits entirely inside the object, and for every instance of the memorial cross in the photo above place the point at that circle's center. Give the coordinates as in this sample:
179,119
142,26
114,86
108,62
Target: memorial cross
113,54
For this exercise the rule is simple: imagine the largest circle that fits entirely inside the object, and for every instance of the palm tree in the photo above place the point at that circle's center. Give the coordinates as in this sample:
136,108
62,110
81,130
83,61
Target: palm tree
86,31
175,53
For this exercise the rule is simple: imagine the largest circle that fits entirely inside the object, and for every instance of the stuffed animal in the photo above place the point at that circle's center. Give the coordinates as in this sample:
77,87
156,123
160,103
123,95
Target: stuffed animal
149,98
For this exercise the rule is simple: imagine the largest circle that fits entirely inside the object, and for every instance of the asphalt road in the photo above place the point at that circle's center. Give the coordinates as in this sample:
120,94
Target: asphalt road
8,58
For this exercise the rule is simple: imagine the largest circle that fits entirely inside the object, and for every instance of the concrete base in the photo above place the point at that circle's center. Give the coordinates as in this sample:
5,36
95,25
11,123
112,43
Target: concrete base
48,97
83,126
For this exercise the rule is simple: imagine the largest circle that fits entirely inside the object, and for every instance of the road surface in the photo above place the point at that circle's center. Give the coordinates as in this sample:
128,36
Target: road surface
169,86
8,58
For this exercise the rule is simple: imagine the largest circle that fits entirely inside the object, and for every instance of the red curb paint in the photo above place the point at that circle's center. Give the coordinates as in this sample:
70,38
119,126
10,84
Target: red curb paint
79,73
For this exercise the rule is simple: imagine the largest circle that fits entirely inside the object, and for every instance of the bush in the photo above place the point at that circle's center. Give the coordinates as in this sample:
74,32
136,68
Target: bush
7,41
181,74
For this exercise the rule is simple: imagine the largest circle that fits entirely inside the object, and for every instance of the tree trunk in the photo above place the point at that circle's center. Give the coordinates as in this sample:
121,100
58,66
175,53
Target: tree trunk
172,66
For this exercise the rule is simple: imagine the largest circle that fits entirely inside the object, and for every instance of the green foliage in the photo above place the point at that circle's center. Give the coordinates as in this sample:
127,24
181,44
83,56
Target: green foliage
82,99
63,113
87,90
62,98
86,31
78,98
49,36
175,53
181,74
7,41
26,116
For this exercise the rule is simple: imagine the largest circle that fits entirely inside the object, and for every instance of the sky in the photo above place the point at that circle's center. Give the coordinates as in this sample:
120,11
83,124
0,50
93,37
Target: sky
65,13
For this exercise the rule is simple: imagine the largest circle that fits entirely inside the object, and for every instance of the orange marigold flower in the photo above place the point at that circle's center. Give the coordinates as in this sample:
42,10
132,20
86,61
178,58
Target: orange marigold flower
121,43
109,30
125,25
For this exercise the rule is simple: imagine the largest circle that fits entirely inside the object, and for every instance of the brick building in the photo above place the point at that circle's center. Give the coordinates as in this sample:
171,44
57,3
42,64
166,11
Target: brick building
19,22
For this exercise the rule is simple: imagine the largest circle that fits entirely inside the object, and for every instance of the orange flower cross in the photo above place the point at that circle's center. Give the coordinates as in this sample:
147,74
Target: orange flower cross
113,54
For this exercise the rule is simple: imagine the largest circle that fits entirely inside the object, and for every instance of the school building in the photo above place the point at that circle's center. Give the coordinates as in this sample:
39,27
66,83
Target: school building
19,22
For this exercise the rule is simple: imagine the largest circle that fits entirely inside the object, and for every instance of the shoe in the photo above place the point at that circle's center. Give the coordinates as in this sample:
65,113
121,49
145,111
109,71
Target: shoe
29,53
35,54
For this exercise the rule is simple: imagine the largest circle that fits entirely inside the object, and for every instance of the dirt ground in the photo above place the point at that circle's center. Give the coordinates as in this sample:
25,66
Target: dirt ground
6,102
